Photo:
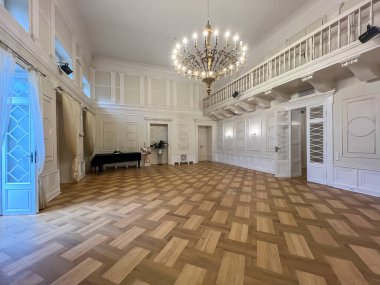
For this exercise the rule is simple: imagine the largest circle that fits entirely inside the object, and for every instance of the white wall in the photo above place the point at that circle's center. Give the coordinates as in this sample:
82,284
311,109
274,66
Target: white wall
355,141
131,97
48,19
247,141
357,136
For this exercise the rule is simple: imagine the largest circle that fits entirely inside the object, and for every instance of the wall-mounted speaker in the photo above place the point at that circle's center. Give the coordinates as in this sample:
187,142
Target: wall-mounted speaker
235,94
372,31
64,66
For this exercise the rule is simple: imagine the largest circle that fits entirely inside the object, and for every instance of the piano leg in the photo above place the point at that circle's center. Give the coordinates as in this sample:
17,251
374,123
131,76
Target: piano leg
138,163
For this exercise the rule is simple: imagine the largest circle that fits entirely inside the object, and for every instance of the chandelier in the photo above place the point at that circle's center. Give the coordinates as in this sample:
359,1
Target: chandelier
210,58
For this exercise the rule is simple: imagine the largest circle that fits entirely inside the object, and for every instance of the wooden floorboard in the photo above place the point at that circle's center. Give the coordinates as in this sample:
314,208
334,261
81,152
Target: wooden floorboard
205,223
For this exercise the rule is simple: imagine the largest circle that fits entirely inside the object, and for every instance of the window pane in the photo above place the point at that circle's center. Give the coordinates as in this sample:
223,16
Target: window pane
19,9
86,87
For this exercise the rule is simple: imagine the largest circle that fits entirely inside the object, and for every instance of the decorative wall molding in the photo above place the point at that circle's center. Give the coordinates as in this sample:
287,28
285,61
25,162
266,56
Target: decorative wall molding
108,136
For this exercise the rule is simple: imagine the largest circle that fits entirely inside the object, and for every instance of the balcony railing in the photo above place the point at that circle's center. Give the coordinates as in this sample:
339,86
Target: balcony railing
336,34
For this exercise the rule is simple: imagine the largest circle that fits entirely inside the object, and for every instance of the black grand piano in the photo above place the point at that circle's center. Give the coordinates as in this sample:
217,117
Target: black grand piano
99,160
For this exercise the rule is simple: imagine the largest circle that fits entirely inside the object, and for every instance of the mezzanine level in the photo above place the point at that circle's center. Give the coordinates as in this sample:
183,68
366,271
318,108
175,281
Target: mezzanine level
318,60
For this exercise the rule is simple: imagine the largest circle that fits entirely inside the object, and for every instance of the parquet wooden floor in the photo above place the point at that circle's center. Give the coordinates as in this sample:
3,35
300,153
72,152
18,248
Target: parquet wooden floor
195,224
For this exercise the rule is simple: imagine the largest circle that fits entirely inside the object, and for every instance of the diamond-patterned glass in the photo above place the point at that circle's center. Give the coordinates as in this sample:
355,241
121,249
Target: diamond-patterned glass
316,142
20,87
316,112
18,138
283,142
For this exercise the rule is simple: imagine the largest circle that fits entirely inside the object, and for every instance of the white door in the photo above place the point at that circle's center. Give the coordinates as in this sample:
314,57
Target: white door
296,146
282,149
157,133
202,144
316,145
18,175
209,143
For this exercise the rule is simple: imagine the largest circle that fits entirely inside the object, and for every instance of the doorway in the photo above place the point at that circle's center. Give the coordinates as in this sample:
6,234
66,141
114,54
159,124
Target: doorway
298,143
302,136
18,155
204,143
159,132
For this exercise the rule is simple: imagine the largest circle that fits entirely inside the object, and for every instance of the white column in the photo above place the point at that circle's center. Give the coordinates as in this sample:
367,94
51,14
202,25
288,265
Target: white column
122,91
196,102
149,91
35,19
92,82
142,90
167,93
174,94
52,28
113,86
191,103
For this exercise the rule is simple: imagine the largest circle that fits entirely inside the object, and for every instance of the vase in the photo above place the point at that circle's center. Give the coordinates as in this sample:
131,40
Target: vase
160,151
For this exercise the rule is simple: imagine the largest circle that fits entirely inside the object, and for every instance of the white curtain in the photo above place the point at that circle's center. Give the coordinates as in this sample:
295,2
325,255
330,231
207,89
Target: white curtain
37,117
71,113
7,73
90,133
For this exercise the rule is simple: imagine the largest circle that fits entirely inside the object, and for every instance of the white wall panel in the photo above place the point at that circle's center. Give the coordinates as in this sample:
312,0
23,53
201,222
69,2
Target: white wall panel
240,135
108,136
184,136
255,134
131,137
359,126
270,132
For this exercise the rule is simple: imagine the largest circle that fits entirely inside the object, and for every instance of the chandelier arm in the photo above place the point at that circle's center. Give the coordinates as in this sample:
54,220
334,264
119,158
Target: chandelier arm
225,59
195,60
187,61
200,55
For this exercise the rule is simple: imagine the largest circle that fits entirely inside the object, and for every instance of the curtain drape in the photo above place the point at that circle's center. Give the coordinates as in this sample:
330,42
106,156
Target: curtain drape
90,133
37,117
7,73
71,112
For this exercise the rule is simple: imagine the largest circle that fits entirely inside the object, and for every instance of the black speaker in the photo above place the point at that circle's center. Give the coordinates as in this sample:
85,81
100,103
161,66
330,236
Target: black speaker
372,31
65,68
236,93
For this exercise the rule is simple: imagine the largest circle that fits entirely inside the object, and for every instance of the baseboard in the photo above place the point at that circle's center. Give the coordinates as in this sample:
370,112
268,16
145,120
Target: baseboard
54,194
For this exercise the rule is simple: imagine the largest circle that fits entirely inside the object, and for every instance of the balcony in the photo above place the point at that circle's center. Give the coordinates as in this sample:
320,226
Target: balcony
326,55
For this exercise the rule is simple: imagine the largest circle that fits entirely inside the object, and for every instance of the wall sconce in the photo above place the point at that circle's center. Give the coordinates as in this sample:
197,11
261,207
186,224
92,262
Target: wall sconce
253,133
229,135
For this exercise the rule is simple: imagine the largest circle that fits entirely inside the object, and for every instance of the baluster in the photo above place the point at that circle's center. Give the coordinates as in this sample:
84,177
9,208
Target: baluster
329,40
371,19
300,54
349,29
294,57
338,34
313,47
321,44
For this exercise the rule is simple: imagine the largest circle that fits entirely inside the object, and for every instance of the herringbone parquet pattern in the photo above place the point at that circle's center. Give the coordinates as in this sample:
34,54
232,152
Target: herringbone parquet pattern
195,224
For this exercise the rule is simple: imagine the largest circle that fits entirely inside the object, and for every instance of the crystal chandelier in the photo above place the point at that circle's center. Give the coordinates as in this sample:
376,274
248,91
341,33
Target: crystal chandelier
210,58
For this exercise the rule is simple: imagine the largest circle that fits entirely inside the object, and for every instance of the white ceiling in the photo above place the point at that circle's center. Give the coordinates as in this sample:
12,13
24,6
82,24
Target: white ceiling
143,31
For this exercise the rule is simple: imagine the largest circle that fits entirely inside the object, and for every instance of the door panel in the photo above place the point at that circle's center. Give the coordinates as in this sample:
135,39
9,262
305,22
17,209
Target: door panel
18,164
316,146
296,144
282,157
202,144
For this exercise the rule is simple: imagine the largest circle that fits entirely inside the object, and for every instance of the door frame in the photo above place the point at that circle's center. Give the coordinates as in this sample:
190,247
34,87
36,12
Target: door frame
326,99
212,124
167,122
